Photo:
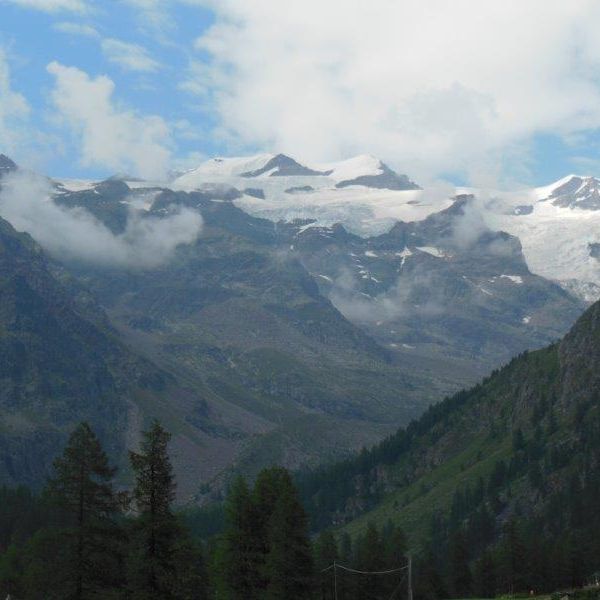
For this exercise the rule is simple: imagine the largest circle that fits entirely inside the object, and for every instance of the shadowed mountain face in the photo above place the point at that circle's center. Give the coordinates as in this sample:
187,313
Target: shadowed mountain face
231,344
60,363
238,317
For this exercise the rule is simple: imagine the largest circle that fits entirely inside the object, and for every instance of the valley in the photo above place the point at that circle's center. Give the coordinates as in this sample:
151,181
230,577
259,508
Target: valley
270,326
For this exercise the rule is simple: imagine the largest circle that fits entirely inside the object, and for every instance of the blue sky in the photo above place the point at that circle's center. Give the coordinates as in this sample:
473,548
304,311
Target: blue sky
467,93
33,38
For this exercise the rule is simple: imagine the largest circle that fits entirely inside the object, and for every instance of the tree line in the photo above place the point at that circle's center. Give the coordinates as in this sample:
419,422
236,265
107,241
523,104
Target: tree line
83,538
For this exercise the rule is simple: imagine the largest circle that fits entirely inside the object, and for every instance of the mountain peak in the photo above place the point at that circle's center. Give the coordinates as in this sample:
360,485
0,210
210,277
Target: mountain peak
282,165
574,191
369,171
6,165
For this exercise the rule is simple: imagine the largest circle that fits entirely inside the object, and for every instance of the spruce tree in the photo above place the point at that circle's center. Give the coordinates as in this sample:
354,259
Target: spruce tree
428,581
394,556
485,576
326,550
394,545
288,564
459,572
326,553
370,556
513,560
238,554
156,565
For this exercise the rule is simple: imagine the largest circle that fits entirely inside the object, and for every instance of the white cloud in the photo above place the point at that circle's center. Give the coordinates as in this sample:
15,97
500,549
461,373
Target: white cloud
52,5
75,235
71,28
430,86
110,135
131,57
154,14
14,110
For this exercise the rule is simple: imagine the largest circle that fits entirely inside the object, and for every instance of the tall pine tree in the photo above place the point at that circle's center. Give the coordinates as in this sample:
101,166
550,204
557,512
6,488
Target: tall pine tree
81,486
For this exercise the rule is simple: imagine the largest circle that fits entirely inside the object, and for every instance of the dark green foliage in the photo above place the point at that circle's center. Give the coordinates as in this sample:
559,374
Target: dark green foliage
81,486
460,576
22,513
326,550
265,551
239,555
288,566
68,543
374,567
484,584
429,584
163,563
369,555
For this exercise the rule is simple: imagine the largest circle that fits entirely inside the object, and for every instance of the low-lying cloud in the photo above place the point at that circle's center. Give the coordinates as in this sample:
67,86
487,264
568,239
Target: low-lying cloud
413,294
74,234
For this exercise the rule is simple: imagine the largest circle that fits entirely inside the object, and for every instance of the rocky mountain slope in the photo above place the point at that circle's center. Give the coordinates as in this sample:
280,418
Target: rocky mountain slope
237,316
230,343
435,288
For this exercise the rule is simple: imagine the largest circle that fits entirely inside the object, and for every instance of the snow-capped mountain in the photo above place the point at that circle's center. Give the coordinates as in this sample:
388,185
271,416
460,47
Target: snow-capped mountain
363,193
369,171
577,192
559,228
364,170
558,225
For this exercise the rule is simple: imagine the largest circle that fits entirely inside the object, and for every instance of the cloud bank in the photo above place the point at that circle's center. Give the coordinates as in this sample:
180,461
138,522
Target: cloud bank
110,135
75,235
432,86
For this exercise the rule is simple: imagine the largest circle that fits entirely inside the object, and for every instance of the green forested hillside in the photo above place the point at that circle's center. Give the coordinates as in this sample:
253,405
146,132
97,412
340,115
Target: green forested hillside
504,477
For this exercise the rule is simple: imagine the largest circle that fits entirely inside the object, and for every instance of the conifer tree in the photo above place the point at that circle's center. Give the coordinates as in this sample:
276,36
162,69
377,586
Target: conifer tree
394,546
513,560
288,564
326,550
326,554
239,560
428,581
485,576
81,486
370,556
161,562
459,572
